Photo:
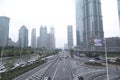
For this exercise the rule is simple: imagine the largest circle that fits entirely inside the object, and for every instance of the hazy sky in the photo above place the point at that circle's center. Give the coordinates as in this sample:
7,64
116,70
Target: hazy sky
60,13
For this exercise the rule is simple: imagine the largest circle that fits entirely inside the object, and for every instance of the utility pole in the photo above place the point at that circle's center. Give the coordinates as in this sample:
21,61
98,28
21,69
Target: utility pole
106,59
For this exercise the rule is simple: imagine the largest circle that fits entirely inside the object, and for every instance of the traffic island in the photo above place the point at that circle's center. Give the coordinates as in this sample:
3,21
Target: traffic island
94,64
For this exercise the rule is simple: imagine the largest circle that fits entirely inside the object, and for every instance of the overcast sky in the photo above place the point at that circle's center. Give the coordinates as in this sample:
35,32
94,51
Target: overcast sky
57,13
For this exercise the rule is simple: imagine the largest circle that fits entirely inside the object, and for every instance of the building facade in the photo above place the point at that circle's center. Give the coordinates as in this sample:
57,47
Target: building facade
4,30
70,36
79,23
51,39
43,37
23,37
113,42
33,38
119,9
38,42
91,20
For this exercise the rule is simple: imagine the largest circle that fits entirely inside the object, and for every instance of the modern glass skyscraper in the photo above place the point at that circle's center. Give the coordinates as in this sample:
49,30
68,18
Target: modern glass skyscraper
79,22
70,37
43,37
93,25
4,30
91,20
23,37
51,39
33,38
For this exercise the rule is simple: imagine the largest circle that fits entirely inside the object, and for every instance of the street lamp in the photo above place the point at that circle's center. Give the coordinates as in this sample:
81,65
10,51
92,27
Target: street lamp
98,42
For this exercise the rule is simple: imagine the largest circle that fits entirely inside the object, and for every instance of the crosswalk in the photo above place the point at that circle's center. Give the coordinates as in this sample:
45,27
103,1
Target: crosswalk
38,75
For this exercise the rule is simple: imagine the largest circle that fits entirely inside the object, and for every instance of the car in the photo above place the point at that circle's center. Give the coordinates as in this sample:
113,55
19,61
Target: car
75,78
78,78
47,78
91,60
60,59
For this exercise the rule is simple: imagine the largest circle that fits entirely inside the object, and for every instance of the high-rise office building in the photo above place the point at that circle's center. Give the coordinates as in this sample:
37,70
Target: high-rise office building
119,10
38,42
91,21
23,37
43,37
33,38
70,36
79,23
4,30
51,39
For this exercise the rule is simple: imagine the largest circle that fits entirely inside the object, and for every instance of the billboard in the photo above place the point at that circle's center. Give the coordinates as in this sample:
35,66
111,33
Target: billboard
97,42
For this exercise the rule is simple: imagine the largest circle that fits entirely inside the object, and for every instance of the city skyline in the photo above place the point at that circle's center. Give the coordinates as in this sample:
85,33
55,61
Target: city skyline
59,16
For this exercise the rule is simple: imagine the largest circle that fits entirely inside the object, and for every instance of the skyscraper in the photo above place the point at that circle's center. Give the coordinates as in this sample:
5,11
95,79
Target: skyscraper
70,37
119,10
33,38
93,25
4,30
23,37
91,21
79,23
38,42
43,37
51,39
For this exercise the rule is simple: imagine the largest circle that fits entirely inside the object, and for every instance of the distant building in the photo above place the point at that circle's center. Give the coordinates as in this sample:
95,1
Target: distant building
119,10
4,30
89,25
38,42
43,37
11,43
113,42
70,36
65,46
23,37
33,38
51,39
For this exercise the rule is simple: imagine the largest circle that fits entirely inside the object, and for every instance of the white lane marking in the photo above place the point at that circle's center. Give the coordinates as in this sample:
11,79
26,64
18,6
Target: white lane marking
54,74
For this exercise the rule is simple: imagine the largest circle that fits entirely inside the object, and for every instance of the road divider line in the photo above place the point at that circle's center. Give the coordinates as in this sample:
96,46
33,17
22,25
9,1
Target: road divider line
54,73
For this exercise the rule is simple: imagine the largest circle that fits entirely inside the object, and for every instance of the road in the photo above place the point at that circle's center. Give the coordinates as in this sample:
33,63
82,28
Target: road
63,67
60,70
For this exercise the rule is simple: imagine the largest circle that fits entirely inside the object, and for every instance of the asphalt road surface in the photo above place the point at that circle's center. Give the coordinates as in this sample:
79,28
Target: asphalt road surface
63,67
60,70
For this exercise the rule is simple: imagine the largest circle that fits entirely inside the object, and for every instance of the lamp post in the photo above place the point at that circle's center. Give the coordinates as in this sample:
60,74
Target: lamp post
106,59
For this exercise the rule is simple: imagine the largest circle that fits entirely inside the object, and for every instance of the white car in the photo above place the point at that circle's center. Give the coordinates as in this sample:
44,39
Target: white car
47,78
92,60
